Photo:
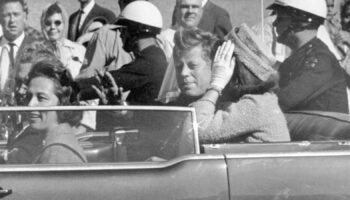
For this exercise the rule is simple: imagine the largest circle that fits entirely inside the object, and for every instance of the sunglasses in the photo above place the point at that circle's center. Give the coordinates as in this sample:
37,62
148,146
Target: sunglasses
57,23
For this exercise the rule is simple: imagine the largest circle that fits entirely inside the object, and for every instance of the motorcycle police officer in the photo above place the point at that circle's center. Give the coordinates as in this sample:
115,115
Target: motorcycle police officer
311,78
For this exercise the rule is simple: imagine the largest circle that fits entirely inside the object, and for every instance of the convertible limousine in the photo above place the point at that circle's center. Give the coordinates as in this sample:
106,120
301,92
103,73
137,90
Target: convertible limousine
154,153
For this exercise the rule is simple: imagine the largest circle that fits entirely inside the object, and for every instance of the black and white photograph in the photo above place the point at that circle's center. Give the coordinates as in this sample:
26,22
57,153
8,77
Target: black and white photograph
174,99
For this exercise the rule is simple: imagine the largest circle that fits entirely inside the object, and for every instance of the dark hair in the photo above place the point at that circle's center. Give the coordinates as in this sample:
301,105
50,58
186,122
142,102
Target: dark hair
53,9
53,69
187,38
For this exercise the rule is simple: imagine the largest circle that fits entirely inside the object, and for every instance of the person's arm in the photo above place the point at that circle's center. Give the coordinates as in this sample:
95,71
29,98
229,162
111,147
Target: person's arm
133,75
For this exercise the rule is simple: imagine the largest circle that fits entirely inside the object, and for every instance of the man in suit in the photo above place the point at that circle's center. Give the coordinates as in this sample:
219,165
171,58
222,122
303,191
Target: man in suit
88,13
14,39
213,19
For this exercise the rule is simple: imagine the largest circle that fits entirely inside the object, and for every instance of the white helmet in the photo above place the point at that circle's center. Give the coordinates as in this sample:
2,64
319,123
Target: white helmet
143,12
315,7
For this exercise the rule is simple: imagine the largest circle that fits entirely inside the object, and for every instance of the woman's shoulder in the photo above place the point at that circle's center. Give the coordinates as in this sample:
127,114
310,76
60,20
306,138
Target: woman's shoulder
62,147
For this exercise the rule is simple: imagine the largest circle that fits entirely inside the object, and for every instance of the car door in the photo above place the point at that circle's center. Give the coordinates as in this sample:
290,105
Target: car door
298,170
191,177
139,153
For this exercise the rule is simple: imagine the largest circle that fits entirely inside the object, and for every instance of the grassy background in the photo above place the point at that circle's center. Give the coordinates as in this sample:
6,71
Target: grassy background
248,11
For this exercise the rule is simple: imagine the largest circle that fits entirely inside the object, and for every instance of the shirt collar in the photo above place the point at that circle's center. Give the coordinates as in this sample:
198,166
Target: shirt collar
89,7
17,41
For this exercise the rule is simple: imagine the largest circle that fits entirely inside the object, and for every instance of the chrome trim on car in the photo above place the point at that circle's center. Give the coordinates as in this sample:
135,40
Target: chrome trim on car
108,166
154,108
287,154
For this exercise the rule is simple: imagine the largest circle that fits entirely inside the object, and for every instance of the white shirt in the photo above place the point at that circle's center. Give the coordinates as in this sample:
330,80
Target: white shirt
86,11
18,42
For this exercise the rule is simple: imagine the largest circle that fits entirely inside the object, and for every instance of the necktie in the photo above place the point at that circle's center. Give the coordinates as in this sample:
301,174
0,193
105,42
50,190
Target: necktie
81,12
12,53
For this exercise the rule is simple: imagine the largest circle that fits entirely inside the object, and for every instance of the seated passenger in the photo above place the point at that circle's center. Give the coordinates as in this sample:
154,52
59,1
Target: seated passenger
50,85
248,112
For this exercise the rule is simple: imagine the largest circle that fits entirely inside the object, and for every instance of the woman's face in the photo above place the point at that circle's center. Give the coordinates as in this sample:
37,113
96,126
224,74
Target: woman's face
41,92
54,27
193,73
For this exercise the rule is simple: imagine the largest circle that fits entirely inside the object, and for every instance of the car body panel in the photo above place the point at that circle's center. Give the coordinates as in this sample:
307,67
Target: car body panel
290,170
191,177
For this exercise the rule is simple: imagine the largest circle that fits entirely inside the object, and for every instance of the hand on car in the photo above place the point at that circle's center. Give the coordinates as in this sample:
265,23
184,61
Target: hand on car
223,65
108,90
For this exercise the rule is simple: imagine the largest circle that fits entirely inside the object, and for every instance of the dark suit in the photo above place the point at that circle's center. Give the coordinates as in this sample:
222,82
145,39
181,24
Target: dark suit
97,13
15,71
214,19
26,41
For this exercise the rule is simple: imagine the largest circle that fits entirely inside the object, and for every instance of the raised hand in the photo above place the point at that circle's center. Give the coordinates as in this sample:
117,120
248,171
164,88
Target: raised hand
108,90
223,65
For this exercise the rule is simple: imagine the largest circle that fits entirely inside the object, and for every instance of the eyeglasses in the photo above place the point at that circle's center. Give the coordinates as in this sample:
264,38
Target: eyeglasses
57,23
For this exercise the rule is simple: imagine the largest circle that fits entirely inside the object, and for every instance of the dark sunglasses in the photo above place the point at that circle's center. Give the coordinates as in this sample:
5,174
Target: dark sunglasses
57,23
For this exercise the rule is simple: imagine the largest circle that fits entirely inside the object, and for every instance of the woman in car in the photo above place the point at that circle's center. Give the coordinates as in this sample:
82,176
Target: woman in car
50,84
54,23
247,111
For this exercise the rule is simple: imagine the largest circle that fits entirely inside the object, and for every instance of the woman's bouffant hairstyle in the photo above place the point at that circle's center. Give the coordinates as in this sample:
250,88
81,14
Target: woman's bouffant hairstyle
53,69
187,38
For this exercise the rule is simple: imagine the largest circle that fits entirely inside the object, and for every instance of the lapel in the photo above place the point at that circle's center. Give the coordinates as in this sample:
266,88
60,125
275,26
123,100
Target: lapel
73,25
27,39
94,12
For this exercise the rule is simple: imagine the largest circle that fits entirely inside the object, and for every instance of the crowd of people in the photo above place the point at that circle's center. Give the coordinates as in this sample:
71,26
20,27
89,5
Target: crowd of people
238,85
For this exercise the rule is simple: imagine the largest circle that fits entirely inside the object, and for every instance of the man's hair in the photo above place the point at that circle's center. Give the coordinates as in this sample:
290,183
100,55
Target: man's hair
22,2
187,38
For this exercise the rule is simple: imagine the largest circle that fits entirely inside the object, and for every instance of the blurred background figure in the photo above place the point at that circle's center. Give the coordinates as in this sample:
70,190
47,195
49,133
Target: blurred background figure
13,20
88,14
105,50
212,18
54,24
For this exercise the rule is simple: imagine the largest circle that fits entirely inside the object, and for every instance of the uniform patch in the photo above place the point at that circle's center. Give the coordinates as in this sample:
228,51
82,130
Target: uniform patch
311,62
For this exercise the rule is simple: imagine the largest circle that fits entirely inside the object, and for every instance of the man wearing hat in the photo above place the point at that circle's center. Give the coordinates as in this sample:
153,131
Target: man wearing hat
311,78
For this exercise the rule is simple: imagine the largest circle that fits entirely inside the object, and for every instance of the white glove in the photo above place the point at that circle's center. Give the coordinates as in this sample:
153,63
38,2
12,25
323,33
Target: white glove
223,66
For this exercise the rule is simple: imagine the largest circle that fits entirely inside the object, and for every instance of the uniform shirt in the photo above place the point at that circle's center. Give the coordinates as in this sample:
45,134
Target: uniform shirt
85,13
312,79
143,77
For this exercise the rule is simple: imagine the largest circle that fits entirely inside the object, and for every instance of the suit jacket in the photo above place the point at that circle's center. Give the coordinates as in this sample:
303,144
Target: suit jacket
28,39
215,20
97,13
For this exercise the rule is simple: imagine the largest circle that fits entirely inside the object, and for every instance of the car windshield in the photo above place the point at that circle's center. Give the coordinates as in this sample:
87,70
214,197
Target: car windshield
116,134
